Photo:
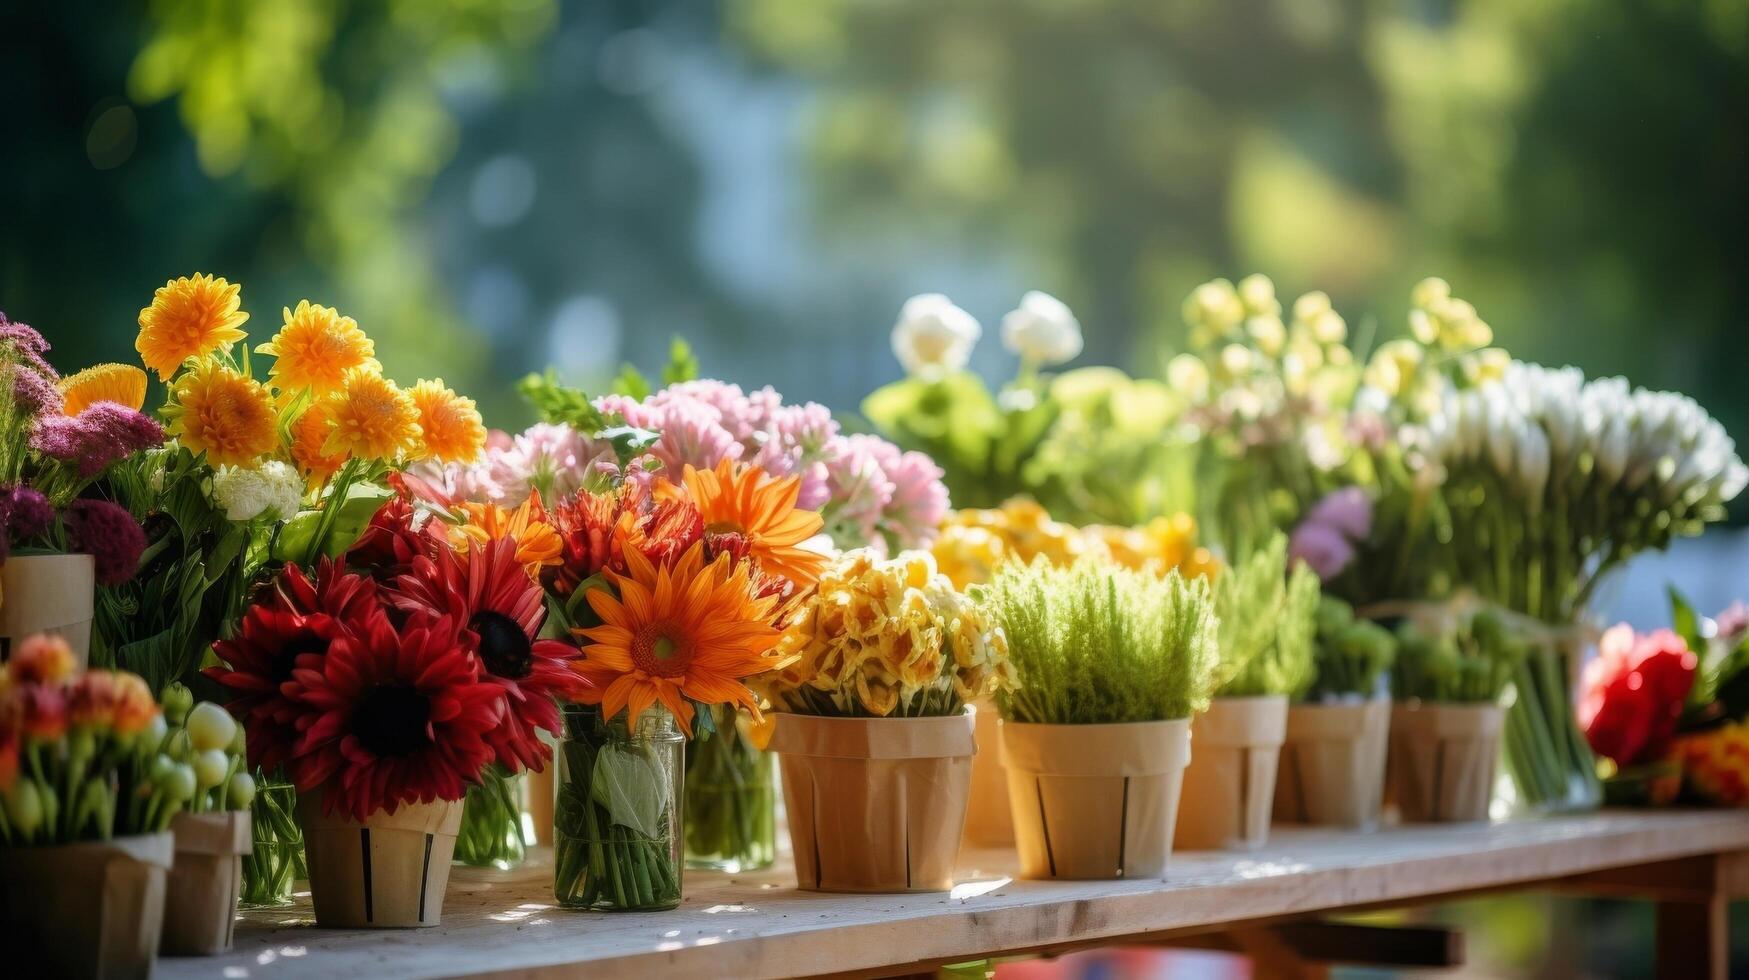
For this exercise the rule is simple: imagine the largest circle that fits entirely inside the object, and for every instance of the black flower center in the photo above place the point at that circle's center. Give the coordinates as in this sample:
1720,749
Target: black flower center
391,721
504,647
288,655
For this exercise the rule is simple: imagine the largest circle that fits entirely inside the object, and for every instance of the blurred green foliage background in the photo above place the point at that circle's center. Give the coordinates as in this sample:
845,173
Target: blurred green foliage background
490,186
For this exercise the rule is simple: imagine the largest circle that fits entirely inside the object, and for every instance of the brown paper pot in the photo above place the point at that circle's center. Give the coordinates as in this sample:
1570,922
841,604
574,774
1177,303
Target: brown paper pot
200,910
541,794
389,871
1443,759
1095,801
1333,764
875,804
47,594
83,910
989,821
1229,786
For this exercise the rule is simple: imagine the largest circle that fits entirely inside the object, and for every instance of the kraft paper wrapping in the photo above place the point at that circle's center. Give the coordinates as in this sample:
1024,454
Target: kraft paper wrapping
1095,801
389,872
1443,759
1229,786
875,804
200,910
84,910
47,594
541,795
989,822
1332,768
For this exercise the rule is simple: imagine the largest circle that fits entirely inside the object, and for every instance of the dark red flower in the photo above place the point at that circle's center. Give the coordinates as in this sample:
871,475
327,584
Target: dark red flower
1632,694
108,533
334,592
392,717
389,543
592,527
502,611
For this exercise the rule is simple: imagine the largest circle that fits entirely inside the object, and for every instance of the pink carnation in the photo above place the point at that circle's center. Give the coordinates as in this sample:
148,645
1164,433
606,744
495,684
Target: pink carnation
109,534
103,434
919,497
860,492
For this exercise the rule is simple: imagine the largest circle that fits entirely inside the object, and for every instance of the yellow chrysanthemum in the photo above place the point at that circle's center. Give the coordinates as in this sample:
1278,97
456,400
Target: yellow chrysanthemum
450,424
123,384
370,417
308,434
219,412
189,318
315,349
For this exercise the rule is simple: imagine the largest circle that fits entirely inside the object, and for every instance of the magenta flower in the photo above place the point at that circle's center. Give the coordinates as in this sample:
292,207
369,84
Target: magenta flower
107,533
33,380
1322,548
103,434
25,512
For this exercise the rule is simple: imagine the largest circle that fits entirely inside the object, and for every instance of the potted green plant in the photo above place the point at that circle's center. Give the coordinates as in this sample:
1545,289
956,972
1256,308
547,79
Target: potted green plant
1267,621
1333,761
1447,719
1111,665
212,833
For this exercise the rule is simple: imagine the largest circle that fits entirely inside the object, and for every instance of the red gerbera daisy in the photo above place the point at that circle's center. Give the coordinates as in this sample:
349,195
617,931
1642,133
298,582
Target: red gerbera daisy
334,592
394,717
389,543
502,612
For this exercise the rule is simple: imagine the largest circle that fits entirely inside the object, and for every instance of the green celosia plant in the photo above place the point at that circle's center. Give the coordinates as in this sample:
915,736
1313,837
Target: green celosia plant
1469,663
1349,653
1267,619
1093,644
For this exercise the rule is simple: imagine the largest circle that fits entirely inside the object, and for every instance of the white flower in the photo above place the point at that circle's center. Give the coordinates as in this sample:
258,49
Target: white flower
273,491
1042,330
1533,465
933,335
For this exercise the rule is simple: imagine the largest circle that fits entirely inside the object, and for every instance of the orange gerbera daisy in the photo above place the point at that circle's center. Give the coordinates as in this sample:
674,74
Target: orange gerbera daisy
316,347
675,636
537,543
308,435
219,412
189,318
745,501
449,424
370,417
123,384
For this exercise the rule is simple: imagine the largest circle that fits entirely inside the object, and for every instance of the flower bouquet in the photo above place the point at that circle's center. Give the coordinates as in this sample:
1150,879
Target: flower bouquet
1267,620
89,785
1110,666
59,436
212,832
873,730
678,593
1447,682
1333,762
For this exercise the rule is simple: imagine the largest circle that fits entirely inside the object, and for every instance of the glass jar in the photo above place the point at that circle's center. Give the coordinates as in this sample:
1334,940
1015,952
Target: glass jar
277,856
731,799
491,831
617,823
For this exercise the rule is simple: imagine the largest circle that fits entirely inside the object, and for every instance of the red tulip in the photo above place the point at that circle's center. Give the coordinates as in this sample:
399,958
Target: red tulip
1633,692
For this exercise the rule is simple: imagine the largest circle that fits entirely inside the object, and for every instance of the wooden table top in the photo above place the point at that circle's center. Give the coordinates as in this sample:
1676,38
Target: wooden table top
758,925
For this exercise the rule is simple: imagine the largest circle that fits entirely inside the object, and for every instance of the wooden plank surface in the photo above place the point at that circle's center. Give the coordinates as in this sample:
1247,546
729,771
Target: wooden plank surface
760,925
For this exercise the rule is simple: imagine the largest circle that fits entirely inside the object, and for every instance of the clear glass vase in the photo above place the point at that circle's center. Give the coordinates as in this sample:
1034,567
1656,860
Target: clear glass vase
731,800
277,858
617,825
491,831
1552,767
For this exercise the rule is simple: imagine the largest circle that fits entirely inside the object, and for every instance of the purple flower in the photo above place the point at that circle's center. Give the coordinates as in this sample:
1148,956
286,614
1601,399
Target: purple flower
1347,511
109,534
22,349
1321,547
1732,624
33,394
25,512
103,434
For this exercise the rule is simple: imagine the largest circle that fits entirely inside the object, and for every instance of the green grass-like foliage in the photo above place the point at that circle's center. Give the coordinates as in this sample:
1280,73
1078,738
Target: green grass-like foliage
1471,663
1267,618
1094,644
1349,653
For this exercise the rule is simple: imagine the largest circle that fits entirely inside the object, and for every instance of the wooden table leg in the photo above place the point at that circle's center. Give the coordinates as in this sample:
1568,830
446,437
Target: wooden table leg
1694,938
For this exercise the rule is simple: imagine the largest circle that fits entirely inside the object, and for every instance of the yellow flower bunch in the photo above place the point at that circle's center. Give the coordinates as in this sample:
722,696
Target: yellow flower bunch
973,544
888,637
325,400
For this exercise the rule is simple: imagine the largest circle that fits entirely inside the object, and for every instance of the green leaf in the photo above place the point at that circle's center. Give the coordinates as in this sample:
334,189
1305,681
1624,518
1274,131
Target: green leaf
1685,622
629,441
631,383
682,365
560,404
629,784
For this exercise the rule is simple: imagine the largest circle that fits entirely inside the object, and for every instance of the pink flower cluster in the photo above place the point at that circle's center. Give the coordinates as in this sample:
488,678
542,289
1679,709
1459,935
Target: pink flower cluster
33,380
553,461
103,434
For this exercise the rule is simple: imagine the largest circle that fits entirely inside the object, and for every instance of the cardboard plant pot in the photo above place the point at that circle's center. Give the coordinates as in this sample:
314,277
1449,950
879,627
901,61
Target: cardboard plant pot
875,804
200,909
1332,769
1443,759
1229,786
389,871
989,821
93,909
1095,801
47,594
541,793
